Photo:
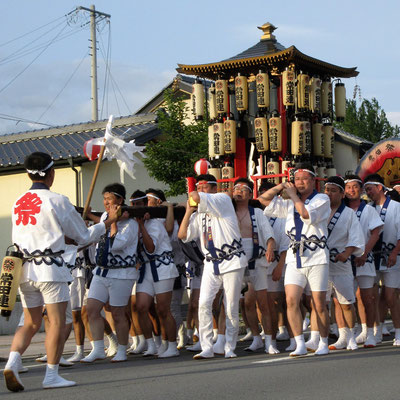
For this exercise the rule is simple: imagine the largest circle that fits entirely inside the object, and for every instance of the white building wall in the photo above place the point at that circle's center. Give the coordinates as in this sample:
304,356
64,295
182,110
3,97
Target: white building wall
345,158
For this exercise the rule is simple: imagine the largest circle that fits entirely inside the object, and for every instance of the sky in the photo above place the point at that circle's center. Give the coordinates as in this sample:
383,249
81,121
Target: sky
45,63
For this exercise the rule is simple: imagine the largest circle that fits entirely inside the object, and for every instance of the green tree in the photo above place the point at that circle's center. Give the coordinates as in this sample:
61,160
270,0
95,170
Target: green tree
171,157
368,121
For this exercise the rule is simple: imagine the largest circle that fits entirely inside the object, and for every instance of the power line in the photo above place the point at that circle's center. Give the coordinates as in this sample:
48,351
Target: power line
42,45
20,119
21,72
34,30
65,85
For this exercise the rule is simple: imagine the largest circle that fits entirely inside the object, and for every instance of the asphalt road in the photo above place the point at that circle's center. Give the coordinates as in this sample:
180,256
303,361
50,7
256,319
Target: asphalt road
362,374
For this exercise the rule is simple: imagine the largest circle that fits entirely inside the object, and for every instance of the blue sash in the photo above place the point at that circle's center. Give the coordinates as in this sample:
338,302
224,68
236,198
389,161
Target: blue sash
335,218
272,221
298,224
256,242
378,245
358,214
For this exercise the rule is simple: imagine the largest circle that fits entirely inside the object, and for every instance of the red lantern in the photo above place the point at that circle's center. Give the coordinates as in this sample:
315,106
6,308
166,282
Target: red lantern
91,148
201,167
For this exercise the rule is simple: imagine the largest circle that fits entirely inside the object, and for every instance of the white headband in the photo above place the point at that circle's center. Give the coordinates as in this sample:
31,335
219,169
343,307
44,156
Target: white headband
117,194
239,185
396,186
40,172
374,183
154,197
211,182
137,198
336,184
304,170
353,180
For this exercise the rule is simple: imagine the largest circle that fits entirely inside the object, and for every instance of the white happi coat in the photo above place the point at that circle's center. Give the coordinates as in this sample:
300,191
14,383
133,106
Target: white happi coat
41,219
119,262
314,228
161,260
281,241
265,232
369,220
391,232
216,211
347,232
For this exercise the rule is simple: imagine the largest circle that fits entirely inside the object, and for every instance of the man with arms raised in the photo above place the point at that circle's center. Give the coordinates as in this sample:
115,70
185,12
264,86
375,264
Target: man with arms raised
307,213
216,224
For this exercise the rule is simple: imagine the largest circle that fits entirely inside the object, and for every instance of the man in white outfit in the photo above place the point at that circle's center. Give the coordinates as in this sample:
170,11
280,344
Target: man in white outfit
216,224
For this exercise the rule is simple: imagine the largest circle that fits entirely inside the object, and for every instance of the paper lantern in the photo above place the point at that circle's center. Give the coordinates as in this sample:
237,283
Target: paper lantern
297,142
201,167
273,169
329,140
218,138
318,140
261,134
222,96
326,98
241,93
262,90
92,149
275,134
198,100
315,95
288,88
340,101
212,103
303,91
230,136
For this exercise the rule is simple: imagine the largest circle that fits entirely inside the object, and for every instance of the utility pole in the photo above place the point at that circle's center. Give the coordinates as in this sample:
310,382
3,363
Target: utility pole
93,15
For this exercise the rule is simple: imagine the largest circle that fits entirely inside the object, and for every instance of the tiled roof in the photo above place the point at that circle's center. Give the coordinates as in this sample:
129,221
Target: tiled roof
66,142
262,48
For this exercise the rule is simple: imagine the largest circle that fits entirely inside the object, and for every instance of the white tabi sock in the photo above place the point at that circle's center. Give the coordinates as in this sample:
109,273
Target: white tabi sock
258,343
135,341
189,333
53,380
121,353
157,341
292,345
163,347
171,351
97,352
341,343
312,343
300,346
323,348
151,348
219,346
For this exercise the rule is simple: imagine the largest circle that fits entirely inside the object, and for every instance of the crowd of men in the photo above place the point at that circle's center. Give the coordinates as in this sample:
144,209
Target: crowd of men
293,252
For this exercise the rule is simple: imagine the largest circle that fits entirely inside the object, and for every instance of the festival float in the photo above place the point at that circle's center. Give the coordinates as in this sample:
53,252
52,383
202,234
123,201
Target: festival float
269,107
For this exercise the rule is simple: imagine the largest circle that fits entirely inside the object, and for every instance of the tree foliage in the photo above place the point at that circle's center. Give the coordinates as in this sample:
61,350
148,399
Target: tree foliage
368,121
171,157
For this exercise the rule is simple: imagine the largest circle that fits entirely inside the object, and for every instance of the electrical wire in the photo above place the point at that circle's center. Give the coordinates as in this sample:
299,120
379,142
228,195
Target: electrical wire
21,72
65,85
20,119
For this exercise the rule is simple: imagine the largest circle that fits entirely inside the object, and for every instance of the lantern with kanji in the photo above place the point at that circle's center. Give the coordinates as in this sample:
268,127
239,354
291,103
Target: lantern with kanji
218,138
262,89
315,95
275,134
212,103
329,140
326,98
230,136
241,93
221,96
261,134
288,84
303,91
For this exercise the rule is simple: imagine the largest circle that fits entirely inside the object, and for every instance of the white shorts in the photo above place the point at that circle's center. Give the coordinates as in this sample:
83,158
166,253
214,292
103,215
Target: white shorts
116,292
342,287
365,282
316,276
389,278
36,294
152,288
77,292
258,278
275,286
68,316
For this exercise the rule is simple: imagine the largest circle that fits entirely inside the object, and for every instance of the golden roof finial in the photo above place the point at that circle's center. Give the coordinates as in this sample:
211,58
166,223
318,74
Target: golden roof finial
267,29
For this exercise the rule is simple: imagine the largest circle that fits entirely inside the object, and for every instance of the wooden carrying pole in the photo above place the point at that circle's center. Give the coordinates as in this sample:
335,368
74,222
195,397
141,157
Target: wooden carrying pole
91,189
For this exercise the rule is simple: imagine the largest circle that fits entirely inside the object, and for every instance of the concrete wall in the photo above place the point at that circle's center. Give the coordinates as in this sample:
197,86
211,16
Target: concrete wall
345,158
